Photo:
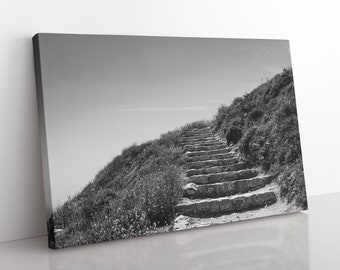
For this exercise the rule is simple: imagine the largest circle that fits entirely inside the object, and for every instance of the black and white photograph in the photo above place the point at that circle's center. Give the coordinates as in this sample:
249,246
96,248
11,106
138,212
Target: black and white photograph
143,135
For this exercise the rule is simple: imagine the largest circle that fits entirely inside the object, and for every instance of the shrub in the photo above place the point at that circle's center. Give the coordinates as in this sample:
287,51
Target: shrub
234,135
197,124
292,185
170,139
220,116
255,114
161,192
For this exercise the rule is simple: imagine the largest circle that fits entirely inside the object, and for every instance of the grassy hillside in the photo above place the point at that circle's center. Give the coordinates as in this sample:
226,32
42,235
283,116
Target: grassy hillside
265,126
133,195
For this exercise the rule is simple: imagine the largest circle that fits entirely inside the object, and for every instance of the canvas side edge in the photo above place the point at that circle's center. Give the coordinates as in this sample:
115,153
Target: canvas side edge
43,141
298,120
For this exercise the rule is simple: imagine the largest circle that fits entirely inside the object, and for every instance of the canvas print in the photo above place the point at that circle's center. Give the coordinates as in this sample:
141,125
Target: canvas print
142,135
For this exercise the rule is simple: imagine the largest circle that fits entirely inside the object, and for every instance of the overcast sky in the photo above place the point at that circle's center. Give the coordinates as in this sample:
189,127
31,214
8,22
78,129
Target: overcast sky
103,93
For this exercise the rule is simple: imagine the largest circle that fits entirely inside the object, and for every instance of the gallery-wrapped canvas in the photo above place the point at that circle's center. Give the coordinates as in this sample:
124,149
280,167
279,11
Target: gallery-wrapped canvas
142,135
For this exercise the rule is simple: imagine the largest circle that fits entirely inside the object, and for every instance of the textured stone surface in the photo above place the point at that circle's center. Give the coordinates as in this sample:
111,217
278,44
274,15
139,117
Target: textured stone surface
190,190
211,163
213,156
209,152
225,205
217,169
218,183
202,147
199,137
222,177
223,189
197,141
205,143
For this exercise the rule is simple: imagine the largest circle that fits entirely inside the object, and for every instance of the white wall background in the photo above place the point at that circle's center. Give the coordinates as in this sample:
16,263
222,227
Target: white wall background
311,26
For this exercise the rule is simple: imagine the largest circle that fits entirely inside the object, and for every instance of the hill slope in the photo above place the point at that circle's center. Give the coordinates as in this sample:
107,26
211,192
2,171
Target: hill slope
132,195
137,192
264,125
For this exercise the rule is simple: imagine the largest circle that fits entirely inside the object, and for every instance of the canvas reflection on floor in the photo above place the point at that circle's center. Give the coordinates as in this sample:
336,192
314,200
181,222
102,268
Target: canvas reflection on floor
142,135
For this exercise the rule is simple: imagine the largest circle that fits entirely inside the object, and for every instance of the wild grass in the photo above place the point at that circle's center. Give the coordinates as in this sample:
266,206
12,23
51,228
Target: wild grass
264,124
196,125
133,195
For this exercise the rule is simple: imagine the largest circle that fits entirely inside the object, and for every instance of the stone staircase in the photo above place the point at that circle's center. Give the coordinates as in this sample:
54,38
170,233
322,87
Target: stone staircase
218,183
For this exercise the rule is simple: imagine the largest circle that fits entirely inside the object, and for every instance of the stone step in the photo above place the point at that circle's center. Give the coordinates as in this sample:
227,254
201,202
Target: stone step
199,138
193,148
208,140
211,163
207,153
216,190
222,177
213,156
226,205
205,143
217,169
197,134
